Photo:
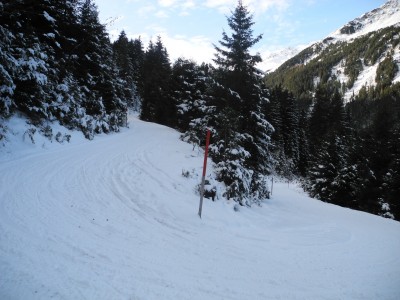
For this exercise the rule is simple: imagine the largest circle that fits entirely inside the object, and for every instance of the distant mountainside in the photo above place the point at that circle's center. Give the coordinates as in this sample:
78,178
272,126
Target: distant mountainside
365,51
273,59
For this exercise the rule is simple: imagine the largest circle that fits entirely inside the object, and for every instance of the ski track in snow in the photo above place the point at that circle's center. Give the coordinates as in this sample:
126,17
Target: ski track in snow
115,219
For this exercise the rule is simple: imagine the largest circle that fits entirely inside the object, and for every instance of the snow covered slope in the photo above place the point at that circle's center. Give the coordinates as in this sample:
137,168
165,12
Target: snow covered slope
115,219
272,60
384,16
355,50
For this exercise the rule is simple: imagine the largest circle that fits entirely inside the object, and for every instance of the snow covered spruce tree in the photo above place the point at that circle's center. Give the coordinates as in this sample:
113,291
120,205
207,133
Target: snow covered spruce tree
332,176
194,91
282,111
237,72
391,181
102,88
28,56
304,147
157,102
57,64
128,56
8,63
187,91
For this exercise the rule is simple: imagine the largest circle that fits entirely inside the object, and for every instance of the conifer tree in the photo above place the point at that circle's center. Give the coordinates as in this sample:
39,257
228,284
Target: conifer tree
304,147
8,62
230,157
136,53
189,88
27,22
121,55
283,114
57,65
91,49
273,113
237,71
324,170
290,124
127,69
158,105
391,181
200,100
320,118
332,177
97,72
362,179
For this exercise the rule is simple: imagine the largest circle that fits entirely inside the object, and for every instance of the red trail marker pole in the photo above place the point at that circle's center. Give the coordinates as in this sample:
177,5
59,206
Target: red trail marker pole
203,179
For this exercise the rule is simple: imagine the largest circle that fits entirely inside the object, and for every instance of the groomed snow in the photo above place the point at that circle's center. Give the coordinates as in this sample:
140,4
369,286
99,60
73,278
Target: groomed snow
115,219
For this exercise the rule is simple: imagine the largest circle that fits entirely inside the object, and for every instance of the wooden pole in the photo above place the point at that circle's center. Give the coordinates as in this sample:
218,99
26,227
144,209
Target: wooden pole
203,179
272,184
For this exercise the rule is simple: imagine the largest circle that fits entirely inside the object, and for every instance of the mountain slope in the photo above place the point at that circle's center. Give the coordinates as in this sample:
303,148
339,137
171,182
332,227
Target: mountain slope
272,60
351,56
115,219
385,16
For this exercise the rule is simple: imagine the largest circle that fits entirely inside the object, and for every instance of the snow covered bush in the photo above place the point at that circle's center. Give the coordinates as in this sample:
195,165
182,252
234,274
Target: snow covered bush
30,133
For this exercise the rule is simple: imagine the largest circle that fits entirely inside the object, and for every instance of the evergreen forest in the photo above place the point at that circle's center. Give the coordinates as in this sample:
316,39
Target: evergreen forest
57,64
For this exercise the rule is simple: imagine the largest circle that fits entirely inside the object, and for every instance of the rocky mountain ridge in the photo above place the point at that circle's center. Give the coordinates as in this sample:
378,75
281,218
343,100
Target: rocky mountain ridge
351,56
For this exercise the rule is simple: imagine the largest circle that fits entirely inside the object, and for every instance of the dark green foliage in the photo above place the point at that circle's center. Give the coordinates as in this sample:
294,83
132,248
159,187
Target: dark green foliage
386,71
391,180
237,72
230,101
28,55
283,113
304,145
57,64
192,85
158,104
7,69
324,170
352,70
322,121
230,156
234,56
352,167
357,167
128,56
96,65
299,73
330,177
349,155
121,52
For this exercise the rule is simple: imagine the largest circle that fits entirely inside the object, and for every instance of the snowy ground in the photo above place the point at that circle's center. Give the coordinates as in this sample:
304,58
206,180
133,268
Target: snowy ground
115,219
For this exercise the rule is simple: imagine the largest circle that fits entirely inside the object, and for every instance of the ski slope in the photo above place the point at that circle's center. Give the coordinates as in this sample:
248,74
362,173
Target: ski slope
115,219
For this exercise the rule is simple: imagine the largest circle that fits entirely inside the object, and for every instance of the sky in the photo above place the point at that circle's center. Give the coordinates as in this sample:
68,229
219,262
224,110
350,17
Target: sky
189,28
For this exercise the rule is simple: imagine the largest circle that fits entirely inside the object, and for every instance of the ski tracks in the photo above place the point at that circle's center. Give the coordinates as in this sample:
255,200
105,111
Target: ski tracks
115,219
83,207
